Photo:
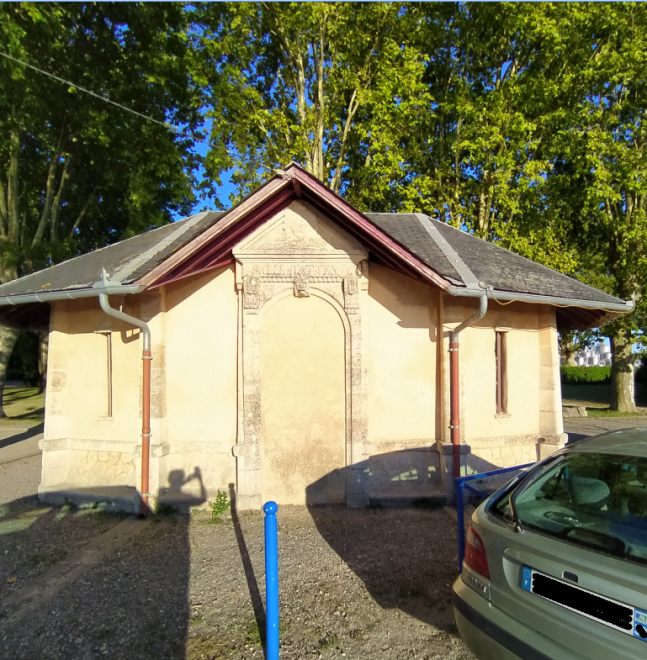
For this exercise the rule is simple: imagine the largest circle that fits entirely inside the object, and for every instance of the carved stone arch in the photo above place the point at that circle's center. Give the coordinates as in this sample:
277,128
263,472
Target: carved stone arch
313,258
319,293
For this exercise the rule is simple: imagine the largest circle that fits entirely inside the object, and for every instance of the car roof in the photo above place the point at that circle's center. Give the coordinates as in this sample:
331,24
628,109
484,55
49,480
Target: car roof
626,442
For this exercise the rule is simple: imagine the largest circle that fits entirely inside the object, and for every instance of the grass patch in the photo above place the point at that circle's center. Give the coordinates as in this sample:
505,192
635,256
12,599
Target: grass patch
327,642
205,648
592,395
597,395
253,635
46,559
601,412
23,406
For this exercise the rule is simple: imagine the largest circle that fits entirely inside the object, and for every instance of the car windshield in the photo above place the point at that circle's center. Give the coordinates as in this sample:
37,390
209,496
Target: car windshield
594,500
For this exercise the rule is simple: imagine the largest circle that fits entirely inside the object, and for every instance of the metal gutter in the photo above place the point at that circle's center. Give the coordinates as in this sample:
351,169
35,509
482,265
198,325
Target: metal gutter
510,296
476,289
110,289
454,389
146,383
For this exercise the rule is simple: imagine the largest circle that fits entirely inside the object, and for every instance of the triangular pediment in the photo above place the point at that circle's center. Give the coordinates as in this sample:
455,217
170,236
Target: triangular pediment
297,231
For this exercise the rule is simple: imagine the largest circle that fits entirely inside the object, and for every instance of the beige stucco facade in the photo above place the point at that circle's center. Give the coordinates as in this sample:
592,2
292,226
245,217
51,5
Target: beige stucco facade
303,372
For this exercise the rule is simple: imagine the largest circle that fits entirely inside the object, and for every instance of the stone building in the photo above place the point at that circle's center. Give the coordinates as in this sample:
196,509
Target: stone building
300,351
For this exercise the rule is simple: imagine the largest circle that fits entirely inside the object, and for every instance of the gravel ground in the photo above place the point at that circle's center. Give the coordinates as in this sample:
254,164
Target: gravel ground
360,584
34,537
354,584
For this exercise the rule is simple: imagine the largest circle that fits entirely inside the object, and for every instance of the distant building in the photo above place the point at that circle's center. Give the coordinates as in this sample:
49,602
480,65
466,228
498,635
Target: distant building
599,355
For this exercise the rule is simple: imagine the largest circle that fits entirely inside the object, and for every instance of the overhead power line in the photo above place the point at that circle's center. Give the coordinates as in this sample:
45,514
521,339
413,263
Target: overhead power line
87,91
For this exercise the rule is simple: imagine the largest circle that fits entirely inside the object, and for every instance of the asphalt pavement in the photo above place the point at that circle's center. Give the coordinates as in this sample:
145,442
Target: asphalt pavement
20,462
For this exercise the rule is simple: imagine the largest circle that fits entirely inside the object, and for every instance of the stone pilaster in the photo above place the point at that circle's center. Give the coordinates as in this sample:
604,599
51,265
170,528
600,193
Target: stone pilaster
551,426
298,254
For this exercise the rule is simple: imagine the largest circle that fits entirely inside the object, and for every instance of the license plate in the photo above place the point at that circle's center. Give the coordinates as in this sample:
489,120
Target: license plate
626,619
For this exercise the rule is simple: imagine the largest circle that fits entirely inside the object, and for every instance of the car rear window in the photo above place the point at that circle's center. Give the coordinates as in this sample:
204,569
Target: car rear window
598,501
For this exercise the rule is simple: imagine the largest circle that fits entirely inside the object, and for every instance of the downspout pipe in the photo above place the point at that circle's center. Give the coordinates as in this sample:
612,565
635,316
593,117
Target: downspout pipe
146,391
454,381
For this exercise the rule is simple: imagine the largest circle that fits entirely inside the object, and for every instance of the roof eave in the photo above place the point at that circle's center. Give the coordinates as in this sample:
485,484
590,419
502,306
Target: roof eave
623,307
71,294
593,313
286,186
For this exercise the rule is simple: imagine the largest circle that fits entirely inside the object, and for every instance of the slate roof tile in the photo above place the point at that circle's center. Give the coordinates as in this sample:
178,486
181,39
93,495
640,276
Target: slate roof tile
494,265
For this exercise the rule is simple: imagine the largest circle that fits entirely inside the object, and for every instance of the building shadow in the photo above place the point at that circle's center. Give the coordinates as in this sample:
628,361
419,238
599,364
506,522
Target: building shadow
133,603
403,546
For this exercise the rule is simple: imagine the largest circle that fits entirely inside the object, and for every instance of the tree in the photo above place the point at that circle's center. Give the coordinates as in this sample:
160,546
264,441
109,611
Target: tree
521,123
601,177
314,83
77,172
496,75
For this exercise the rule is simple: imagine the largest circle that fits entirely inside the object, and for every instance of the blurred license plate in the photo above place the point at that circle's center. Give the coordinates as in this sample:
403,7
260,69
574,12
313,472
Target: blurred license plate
629,620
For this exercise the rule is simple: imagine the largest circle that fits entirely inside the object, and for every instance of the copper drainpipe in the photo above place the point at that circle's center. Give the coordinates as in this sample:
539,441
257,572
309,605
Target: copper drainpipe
146,391
454,382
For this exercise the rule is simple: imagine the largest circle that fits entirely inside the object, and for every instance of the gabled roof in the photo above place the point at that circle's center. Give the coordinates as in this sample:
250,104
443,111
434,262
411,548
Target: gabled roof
133,257
413,244
501,269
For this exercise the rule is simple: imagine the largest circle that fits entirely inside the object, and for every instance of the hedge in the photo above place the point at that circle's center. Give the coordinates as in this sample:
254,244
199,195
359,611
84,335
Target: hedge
585,374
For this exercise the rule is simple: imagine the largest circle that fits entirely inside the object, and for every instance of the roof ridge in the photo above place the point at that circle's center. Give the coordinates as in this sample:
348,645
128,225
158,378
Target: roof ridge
466,274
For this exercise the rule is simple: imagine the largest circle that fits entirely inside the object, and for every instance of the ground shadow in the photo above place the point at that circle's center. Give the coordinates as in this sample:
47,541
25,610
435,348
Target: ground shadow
134,603
405,557
23,435
250,576
183,491
403,546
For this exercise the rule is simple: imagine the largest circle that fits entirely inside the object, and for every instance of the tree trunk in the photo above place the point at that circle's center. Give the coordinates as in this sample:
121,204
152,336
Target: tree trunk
622,373
568,349
568,353
43,346
8,338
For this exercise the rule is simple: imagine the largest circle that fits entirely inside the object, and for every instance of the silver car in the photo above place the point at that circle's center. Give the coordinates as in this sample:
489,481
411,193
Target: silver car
556,561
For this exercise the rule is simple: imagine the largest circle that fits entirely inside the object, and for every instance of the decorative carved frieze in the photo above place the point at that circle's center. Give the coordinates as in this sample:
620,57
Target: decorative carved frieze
351,294
301,285
251,289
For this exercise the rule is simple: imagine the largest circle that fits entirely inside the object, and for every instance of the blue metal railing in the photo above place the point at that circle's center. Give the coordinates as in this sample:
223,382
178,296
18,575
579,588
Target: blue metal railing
271,582
460,502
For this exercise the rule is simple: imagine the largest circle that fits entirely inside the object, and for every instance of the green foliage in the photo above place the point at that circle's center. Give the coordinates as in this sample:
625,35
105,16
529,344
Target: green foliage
585,374
325,85
78,173
221,504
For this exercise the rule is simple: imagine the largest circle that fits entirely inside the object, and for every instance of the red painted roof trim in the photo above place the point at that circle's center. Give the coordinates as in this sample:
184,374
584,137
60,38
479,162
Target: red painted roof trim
213,246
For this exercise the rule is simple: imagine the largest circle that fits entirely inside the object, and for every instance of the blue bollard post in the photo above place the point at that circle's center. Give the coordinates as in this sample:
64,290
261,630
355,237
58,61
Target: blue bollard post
271,581
461,523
